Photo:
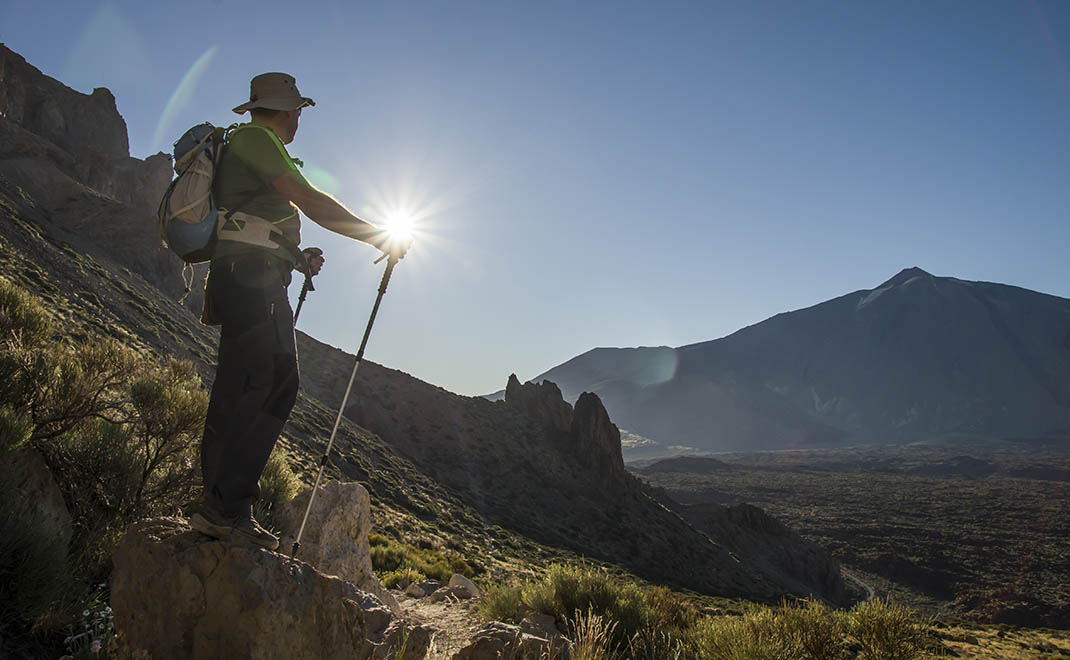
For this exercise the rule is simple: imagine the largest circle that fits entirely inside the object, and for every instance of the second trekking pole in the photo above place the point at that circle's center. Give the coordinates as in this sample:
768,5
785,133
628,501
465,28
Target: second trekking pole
391,262
307,254
305,288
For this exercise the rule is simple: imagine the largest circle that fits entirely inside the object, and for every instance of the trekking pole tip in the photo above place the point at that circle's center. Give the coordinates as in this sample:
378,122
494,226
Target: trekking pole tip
293,550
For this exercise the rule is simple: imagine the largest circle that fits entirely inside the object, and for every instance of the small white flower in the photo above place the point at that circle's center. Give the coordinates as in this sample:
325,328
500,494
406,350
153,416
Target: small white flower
85,613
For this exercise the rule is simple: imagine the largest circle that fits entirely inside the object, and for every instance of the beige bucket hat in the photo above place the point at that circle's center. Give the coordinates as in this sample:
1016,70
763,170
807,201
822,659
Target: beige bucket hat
274,91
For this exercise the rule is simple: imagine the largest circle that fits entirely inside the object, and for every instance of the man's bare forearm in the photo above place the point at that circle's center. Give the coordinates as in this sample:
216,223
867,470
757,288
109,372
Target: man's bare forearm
329,213
326,211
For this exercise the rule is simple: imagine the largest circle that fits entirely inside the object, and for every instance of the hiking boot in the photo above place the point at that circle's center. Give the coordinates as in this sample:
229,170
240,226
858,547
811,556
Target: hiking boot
247,531
243,530
210,522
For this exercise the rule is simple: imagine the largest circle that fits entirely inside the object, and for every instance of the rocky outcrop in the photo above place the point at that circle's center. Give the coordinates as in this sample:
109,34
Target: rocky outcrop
766,545
70,152
597,441
87,127
540,402
177,594
586,434
335,540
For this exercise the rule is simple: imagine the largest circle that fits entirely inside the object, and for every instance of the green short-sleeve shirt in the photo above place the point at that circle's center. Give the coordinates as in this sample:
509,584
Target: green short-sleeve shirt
253,158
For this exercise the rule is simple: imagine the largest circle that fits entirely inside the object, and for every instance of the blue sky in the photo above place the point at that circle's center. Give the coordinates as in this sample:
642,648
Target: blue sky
617,174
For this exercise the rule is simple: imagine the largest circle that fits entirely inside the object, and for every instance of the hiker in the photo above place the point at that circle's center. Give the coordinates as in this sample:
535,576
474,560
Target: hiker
255,253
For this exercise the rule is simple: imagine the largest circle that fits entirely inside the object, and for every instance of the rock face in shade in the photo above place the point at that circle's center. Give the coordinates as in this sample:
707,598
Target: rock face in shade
585,433
542,402
69,151
177,594
335,540
596,441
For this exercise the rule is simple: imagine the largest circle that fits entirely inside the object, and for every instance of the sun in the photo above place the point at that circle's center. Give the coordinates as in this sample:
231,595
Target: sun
401,225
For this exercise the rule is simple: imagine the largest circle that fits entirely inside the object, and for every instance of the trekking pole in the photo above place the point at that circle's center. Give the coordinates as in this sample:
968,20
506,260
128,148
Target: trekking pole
391,262
305,288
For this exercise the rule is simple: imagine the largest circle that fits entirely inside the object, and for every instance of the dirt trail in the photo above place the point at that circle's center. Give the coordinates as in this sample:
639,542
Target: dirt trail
454,620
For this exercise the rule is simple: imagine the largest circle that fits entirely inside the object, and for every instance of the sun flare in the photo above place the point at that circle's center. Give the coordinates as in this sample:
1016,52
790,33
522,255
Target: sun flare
401,226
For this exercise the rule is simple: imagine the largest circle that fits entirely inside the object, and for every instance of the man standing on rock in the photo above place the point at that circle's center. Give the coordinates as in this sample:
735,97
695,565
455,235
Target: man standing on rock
257,249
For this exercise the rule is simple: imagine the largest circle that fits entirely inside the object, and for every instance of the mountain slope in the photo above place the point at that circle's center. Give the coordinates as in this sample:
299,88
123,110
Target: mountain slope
918,355
491,481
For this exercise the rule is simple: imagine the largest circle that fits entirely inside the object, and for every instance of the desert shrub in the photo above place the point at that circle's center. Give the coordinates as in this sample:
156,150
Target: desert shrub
567,590
140,462
668,610
804,631
389,555
758,634
116,429
402,578
59,386
502,602
166,417
278,484
592,637
887,631
15,429
646,622
818,633
651,643
459,565
95,466
22,317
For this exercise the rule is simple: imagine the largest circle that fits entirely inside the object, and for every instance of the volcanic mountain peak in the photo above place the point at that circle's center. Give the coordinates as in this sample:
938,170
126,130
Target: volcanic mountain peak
906,275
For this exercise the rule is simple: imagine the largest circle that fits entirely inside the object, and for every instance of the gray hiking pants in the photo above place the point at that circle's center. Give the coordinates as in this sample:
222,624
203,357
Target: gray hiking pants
256,377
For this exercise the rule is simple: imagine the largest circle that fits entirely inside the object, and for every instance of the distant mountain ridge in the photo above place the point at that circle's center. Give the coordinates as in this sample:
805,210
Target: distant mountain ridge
916,356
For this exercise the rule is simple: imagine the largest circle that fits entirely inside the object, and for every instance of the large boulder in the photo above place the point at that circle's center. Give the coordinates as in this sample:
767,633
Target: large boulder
335,540
177,594
34,497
